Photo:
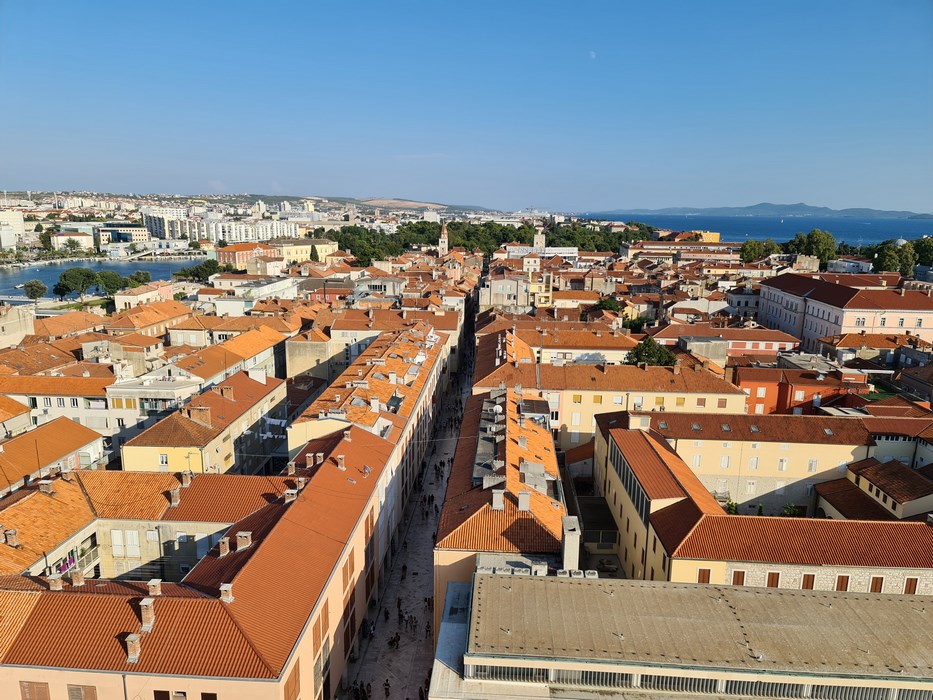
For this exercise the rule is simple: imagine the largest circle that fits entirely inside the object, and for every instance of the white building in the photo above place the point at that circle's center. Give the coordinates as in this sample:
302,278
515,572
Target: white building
12,228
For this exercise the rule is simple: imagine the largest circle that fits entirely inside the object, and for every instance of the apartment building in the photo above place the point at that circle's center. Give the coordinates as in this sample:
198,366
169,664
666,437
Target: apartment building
883,348
69,325
159,290
577,393
811,308
873,490
504,494
556,345
232,232
672,529
739,341
239,254
16,322
201,331
546,636
57,446
797,391
152,319
233,426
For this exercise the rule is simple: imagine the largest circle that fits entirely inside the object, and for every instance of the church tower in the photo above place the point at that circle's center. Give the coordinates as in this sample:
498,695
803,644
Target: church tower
540,243
443,246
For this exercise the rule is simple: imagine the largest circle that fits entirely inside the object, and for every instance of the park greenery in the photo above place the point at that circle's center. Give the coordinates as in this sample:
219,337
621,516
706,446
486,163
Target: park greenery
80,279
203,271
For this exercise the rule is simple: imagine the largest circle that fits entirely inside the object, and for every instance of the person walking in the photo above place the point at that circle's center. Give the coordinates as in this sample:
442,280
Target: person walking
387,687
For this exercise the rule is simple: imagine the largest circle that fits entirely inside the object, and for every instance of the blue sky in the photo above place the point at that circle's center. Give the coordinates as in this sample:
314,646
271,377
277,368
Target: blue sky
557,105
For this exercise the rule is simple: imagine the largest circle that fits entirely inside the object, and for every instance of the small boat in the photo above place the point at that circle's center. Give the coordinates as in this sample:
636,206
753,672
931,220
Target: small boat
20,286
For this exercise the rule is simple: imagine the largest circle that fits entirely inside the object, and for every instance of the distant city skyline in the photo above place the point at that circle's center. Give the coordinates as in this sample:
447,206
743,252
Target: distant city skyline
501,106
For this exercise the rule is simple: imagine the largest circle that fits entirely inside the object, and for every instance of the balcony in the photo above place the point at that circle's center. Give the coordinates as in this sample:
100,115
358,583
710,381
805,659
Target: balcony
90,558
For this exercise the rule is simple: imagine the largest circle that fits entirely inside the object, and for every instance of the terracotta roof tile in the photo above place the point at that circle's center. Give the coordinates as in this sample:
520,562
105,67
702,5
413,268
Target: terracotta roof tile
43,446
851,501
899,481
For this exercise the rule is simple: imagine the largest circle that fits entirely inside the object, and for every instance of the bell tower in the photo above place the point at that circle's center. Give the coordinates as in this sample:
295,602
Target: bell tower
443,245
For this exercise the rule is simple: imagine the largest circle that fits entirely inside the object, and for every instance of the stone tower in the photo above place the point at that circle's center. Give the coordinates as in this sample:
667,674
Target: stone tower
443,246
540,243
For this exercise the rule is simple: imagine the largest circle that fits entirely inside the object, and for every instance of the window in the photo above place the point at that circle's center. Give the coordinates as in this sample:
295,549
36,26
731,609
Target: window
811,466
60,402
703,575
121,423
578,398
701,402
47,402
877,584
753,463
919,323
761,392
617,400
131,540
883,322
163,460
724,461
116,543
161,695
117,403
750,486
910,585
807,582
74,403
774,579
82,692
721,403
681,401
738,578
30,690
152,535
574,419
696,461
798,395
900,322
859,322
842,583
658,400
597,398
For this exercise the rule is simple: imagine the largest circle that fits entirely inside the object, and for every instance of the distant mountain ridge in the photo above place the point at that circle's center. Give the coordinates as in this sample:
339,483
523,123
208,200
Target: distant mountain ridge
767,209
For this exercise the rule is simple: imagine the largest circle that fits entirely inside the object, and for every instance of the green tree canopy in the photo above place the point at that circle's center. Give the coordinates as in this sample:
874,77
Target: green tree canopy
78,279
35,289
818,243
72,246
753,250
139,277
924,249
110,282
887,259
61,290
650,352
908,259
39,228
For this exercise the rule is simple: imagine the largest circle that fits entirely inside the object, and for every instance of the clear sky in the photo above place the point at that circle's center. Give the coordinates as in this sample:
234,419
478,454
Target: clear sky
512,104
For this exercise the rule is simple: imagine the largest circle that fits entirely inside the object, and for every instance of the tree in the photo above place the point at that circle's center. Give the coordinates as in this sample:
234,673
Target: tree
751,251
608,303
822,244
61,290
110,282
45,238
222,243
34,289
39,228
732,508
133,249
887,259
797,245
78,279
650,352
140,277
924,249
72,246
790,510
908,259
194,245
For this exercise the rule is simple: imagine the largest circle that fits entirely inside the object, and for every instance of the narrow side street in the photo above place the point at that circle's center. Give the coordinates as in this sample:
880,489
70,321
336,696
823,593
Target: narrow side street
404,609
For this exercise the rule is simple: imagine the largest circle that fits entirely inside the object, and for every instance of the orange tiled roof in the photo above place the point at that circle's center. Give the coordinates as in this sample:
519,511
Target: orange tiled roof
55,386
41,447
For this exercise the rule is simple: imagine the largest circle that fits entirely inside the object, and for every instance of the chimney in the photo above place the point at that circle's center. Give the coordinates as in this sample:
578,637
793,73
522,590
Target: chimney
393,378
697,367
676,368
570,544
226,592
186,478
498,499
132,648
200,414
346,436
77,578
226,392
290,495
55,582
643,365
903,292
223,546
524,500
319,458
11,537
155,586
523,442
301,482
147,614
290,468
340,462
175,497
244,538
374,404
45,486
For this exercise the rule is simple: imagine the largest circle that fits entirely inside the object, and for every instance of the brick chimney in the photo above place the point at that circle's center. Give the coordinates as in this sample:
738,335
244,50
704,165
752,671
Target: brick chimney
147,613
175,497
223,546
227,392
55,582
77,578
155,587
132,648
199,414
226,592
676,367
186,478
244,538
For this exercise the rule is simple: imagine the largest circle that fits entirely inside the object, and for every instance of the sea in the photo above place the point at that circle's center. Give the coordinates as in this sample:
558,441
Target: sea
741,228
49,273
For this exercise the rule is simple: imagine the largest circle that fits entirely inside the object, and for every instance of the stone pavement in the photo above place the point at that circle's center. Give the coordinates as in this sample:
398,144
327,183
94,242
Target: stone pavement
407,667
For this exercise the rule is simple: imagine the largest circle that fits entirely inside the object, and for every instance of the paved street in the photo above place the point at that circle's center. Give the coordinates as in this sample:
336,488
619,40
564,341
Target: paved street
407,667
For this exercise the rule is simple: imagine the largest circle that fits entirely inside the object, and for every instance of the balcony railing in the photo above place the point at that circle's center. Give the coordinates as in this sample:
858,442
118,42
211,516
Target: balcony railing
88,559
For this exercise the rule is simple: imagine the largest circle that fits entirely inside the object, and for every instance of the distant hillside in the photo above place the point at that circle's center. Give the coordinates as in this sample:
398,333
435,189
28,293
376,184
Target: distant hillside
768,209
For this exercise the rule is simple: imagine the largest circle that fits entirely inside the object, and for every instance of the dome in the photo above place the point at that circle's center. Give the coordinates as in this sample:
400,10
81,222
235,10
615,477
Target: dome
899,242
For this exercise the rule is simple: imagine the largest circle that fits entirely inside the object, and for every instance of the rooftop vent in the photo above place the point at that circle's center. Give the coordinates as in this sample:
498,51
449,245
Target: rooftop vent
11,537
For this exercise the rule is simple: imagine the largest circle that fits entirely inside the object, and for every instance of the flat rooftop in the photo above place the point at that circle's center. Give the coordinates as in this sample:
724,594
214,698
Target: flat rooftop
762,630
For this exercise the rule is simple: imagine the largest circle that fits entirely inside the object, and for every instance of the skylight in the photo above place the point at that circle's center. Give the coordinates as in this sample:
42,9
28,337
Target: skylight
726,428
696,426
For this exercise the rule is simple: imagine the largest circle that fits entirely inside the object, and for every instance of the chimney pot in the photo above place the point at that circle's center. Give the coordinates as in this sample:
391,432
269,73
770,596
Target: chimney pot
340,462
55,582
11,537
244,538
226,592
319,458
175,495
291,469
290,495
186,478
223,546
147,613
77,578
155,586
132,648
301,482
